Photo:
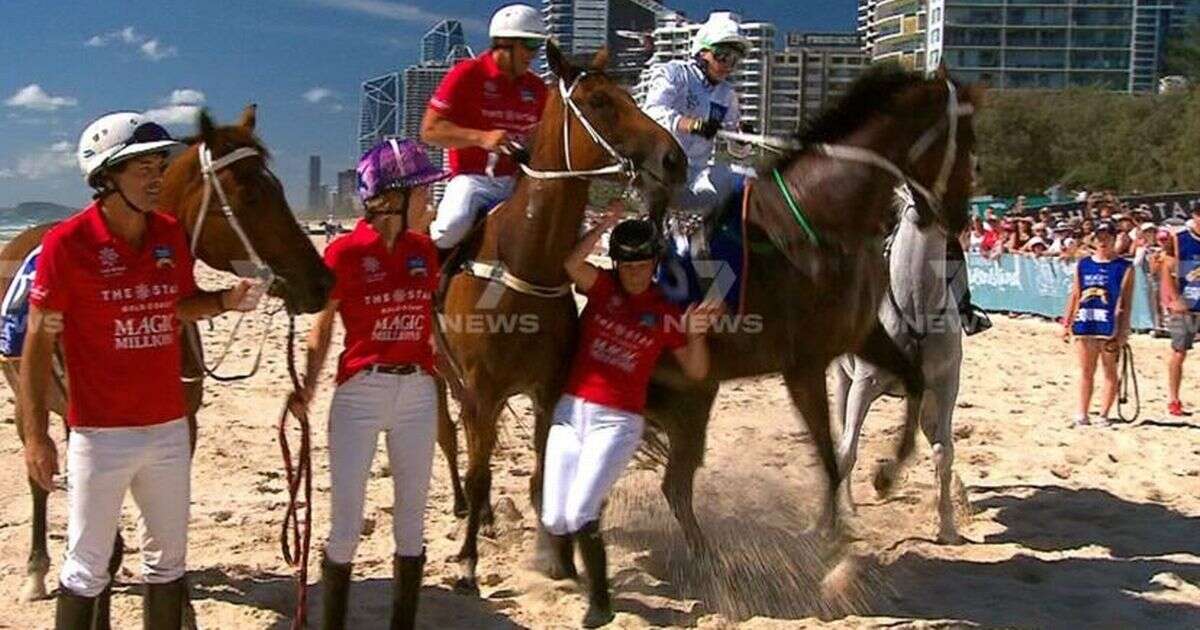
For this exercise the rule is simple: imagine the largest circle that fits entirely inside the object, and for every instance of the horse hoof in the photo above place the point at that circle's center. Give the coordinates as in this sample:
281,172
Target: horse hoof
33,590
460,509
949,537
466,586
885,480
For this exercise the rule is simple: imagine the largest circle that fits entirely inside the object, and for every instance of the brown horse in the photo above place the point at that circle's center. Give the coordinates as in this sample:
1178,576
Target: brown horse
257,203
816,280
516,334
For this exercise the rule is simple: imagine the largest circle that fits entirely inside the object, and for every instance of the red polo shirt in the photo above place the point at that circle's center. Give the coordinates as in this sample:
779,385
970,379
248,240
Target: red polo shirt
476,94
120,331
385,298
622,338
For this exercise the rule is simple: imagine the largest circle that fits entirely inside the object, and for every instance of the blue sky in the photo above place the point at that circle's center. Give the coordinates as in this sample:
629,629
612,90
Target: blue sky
301,61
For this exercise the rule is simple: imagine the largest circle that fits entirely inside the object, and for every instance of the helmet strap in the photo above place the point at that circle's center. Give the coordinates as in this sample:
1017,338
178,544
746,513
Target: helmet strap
402,211
109,187
702,63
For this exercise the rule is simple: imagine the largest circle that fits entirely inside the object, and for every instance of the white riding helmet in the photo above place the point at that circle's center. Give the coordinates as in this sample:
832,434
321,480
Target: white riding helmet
116,137
722,27
518,21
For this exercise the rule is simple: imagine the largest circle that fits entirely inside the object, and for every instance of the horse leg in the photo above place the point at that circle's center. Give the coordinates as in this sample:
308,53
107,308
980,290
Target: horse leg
881,351
861,392
447,437
684,416
38,564
936,422
479,424
806,387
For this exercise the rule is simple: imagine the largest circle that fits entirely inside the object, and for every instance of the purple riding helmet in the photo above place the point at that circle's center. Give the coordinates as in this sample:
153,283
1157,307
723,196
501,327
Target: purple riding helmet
395,163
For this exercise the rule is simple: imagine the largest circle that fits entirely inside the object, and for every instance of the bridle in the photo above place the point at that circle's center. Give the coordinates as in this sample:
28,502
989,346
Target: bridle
934,196
209,169
620,165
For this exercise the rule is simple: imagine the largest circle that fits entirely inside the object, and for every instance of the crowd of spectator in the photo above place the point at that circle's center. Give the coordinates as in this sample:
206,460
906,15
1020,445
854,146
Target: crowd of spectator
1043,234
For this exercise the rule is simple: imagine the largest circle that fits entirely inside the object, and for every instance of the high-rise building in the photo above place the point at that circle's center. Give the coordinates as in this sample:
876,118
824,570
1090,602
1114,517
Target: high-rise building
894,30
582,27
420,82
381,110
673,40
315,200
1117,44
441,40
811,71
347,191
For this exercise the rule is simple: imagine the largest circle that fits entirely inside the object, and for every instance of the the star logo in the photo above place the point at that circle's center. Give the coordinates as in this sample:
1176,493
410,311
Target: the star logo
370,264
108,257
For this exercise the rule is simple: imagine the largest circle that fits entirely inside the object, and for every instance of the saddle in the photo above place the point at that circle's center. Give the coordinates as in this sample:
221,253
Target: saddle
14,310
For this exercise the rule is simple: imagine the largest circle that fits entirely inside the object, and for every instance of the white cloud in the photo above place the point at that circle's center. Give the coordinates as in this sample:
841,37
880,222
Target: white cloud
32,96
173,114
150,47
399,11
186,96
43,162
318,94
155,51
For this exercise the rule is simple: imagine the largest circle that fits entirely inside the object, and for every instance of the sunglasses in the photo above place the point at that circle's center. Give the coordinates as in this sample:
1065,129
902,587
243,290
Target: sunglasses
727,55
532,44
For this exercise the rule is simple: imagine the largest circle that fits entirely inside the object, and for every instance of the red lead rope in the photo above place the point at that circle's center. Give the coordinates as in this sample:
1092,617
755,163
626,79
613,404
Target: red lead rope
296,533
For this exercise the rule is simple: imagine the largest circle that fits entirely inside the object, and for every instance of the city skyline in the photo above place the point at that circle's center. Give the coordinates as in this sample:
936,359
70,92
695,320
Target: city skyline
301,61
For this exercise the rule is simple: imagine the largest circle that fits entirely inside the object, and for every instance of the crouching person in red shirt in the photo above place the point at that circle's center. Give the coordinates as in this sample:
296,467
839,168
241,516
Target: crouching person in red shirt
385,274
112,282
598,422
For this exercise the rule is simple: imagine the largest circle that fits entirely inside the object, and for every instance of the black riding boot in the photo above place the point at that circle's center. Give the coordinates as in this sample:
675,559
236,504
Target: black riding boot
73,612
335,592
162,605
564,551
406,590
595,561
974,320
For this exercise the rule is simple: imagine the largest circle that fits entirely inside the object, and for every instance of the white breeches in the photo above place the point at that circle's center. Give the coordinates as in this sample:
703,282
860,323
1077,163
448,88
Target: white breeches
154,464
404,407
466,196
587,450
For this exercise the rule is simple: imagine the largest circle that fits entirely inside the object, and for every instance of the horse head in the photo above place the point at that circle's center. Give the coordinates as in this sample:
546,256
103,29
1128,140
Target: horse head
222,188
942,156
587,97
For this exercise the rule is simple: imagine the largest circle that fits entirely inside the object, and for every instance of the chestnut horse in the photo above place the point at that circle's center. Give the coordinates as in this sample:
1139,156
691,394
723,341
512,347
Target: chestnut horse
813,292
257,208
510,321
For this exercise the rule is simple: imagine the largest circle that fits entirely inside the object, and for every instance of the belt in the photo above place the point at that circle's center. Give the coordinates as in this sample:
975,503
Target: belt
398,370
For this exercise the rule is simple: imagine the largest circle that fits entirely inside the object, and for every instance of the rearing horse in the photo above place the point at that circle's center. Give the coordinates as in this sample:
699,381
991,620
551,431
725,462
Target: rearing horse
510,322
816,282
247,219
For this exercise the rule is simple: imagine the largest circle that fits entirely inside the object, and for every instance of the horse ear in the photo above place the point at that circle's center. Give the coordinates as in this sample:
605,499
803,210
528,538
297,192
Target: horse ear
208,128
600,61
249,117
558,63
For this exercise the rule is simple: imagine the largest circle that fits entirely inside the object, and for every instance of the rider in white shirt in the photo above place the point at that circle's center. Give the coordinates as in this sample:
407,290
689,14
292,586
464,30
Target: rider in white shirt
693,99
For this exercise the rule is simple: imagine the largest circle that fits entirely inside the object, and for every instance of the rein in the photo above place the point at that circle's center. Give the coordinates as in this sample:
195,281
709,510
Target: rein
1128,378
295,536
212,183
495,272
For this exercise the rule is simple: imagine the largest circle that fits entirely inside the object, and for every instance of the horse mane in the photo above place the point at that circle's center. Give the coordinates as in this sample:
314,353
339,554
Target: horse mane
871,94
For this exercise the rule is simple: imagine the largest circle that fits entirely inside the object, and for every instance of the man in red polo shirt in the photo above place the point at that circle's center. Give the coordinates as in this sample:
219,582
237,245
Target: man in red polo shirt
113,281
481,107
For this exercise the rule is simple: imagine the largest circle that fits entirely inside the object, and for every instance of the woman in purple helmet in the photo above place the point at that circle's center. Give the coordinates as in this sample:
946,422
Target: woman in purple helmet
386,275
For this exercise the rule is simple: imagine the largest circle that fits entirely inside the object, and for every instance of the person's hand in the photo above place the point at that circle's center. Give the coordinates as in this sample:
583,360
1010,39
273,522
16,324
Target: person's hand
1121,338
614,212
494,141
243,296
298,401
1178,306
701,316
41,460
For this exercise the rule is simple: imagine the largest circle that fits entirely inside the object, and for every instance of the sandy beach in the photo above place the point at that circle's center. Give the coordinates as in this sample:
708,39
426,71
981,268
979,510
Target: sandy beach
1067,527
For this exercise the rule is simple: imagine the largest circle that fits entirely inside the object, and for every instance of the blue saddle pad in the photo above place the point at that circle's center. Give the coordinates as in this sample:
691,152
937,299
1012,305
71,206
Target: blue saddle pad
684,279
14,311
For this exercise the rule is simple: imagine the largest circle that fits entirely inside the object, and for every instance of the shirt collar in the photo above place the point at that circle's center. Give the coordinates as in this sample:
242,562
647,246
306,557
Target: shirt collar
93,218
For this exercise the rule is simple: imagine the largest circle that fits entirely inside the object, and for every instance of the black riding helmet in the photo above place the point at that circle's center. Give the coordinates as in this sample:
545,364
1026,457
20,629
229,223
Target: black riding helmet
633,240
